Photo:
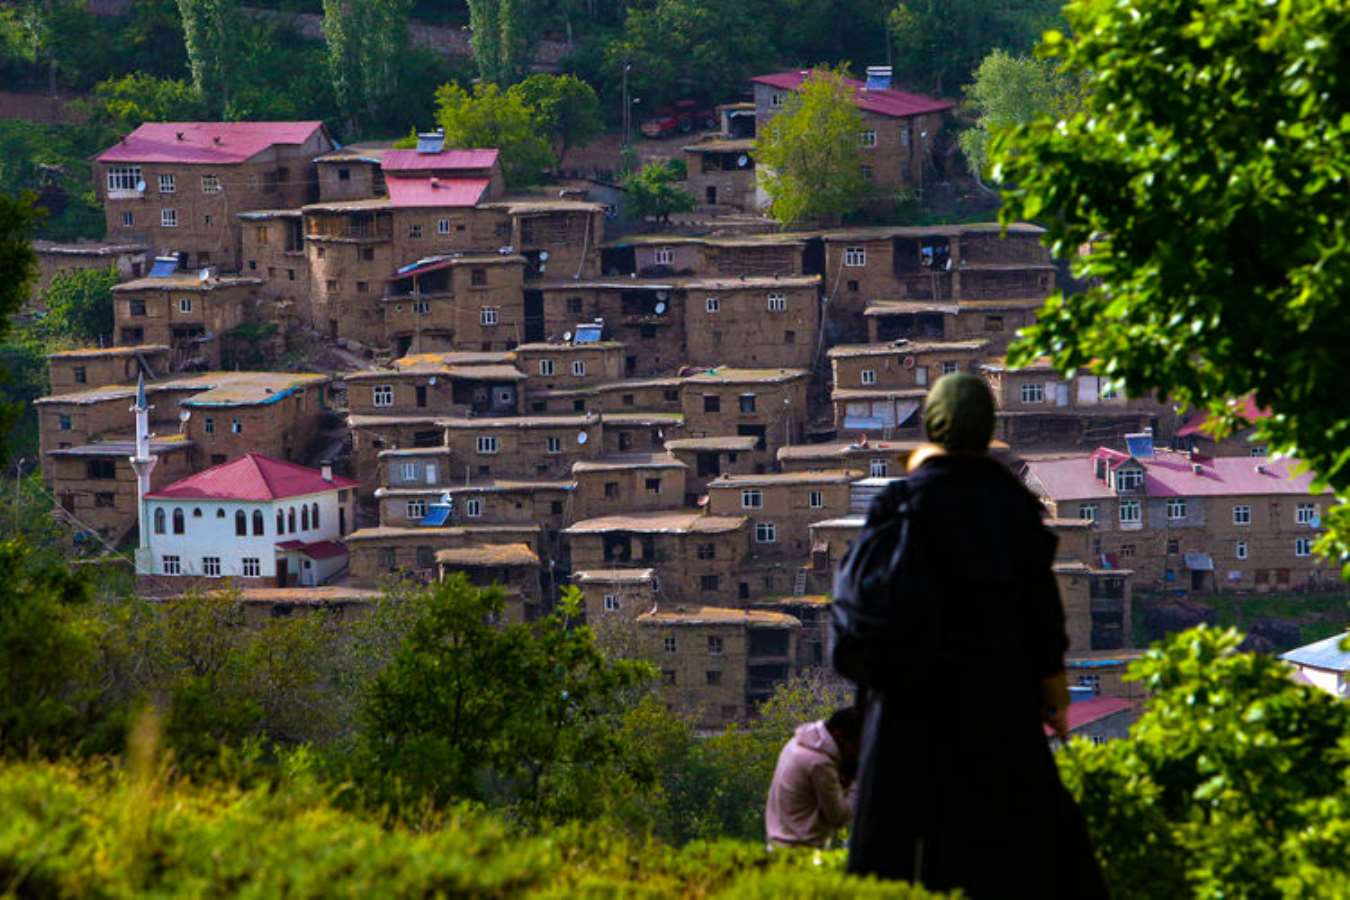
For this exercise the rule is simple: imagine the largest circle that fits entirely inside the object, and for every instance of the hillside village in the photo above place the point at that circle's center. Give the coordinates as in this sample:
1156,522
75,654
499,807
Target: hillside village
687,425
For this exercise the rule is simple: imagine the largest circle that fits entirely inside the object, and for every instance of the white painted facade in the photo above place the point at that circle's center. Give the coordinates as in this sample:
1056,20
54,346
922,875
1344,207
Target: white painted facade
210,533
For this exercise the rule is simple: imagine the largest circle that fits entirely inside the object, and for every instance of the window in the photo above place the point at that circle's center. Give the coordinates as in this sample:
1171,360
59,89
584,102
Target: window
128,219
611,603
101,469
554,445
442,226
1306,514
236,426
714,645
123,178
579,367
707,582
388,559
368,253
1242,515
104,500
713,677
669,645
136,307
417,509
574,304
1302,546
211,566
487,315
313,516
921,375
852,286
487,444
752,498
869,376
415,231
712,304
1176,507
159,521
815,500
866,172
473,508
706,551
258,520
1129,512
654,486
172,565
1129,480
1173,546
668,675
281,522
478,277
993,323
776,100
1240,549
208,221
869,138
168,218
663,256
611,490
168,184
64,423
382,395
210,184
220,514
766,533
252,567
1259,450
747,403
1087,512
1033,393
950,367
1127,550
712,403
777,302
185,304
545,367
344,174
290,520
209,425
789,337
240,523
855,256
877,468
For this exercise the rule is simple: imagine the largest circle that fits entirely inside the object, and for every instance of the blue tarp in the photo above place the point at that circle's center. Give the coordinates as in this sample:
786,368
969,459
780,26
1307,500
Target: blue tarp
436,516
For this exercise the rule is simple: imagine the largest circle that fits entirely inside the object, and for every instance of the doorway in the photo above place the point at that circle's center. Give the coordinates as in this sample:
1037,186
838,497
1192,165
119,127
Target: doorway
711,194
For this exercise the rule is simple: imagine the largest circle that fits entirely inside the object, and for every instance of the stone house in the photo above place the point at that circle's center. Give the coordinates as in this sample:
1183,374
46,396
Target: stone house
272,246
628,482
512,568
393,553
645,316
877,459
130,261
491,501
421,387
768,404
95,485
78,370
177,186
636,432
696,556
781,507
373,435
721,172
813,612
1195,432
766,322
1190,523
569,365
616,596
352,172
772,254
189,313
880,387
706,458
718,664
526,447
276,414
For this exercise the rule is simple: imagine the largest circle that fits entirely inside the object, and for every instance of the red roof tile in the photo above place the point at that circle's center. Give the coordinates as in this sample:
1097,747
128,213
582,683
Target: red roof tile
425,191
316,549
446,160
251,477
890,102
1172,474
1085,712
1246,408
205,143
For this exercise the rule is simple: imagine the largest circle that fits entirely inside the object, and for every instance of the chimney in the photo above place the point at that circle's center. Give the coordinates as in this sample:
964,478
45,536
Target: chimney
878,78
326,470
216,140
435,182
180,135
1260,469
1197,469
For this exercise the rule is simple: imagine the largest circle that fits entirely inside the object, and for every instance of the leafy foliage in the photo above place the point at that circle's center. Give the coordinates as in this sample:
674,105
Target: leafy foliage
366,40
939,43
810,154
502,39
18,266
491,117
654,192
210,36
1230,753
1011,90
120,105
564,106
80,304
1208,170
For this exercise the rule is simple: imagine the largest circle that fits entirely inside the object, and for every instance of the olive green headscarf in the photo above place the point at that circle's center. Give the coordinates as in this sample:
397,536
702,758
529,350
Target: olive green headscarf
959,413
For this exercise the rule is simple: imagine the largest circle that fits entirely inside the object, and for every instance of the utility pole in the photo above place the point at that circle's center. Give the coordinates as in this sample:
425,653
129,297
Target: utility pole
627,107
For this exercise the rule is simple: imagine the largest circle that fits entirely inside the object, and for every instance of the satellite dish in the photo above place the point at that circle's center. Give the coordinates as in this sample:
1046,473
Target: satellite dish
140,186
184,415
567,336
431,380
204,275
582,437
909,362
742,161
543,256
660,309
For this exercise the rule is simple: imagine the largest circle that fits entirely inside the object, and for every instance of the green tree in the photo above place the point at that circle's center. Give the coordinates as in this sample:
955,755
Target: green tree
18,268
654,192
469,708
120,105
1221,788
210,34
810,154
1208,170
366,40
565,107
1011,90
491,117
939,43
502,39
80,304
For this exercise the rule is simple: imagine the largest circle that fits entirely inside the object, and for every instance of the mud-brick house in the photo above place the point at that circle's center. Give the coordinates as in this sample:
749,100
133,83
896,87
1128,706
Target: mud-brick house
614,598
129,260
874,458
768,404
721,172
95,485
718,664
435,384
708,457
628,482
272,246
78,370
276,414
563,365
523,447
511,568
352,172
191,312
696,556
459,301
782,506
389,553
881,387
764,322
177,187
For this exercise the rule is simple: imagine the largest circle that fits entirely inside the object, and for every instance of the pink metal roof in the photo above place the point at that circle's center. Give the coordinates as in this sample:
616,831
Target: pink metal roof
251,477
446,160
316,549
890,102
1171,474
205,143
425,191
1246,408
1085,712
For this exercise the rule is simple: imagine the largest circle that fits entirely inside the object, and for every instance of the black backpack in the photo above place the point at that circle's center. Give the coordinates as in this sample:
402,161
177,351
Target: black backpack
885,603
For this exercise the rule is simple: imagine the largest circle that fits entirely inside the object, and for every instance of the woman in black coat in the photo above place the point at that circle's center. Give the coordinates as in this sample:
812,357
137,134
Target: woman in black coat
957,787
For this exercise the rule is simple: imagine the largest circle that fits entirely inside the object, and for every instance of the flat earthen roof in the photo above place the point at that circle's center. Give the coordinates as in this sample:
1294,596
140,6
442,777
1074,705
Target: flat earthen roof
617,462
613,576
907,348
724,442
717,615
488,555
581,420
384,532
845,449
673,522
878,393
97,352
729,375
826,476
215,388
186,281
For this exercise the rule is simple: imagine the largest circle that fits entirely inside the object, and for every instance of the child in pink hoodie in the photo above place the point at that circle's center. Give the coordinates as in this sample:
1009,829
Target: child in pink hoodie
809,798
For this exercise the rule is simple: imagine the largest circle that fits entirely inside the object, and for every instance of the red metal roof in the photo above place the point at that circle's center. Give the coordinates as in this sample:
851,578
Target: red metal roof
890,102
1246,408
446,160
424,191
316,549
251,477
1172,474
1085,712
205,143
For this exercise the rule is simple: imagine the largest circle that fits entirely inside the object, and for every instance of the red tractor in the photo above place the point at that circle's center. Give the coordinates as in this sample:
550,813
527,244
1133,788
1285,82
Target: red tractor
681,117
